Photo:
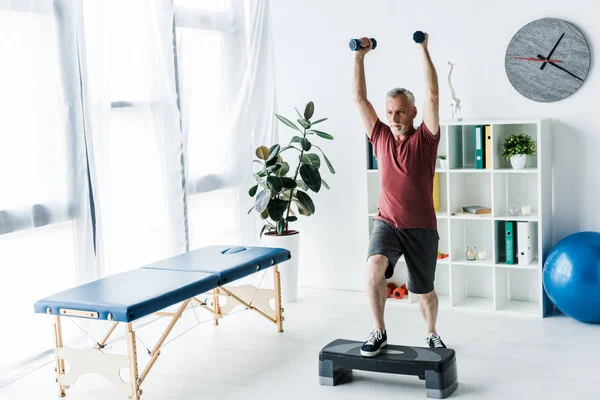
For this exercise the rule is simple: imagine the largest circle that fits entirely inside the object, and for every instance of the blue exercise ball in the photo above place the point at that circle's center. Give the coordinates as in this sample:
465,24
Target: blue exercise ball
572,276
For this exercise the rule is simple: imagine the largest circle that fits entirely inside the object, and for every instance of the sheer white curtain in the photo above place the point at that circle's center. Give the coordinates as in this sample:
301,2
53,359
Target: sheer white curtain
127,133
136,131
226,73
46,239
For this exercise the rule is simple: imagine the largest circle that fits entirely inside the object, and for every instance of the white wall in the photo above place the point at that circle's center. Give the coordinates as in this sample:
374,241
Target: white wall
313,62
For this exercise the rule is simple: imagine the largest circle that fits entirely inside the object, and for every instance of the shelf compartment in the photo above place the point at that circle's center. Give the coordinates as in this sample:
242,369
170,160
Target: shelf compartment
461,146
500,234
501,131
440,196
519,189
469,189
444,243
517,290
472,287
471,233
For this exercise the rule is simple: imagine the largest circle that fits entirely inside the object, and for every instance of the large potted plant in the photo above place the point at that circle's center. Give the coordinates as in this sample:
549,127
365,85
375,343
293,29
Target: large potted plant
282,191
516,148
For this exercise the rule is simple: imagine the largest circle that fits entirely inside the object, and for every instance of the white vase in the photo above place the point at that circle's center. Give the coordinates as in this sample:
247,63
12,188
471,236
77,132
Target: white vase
288,270
518,161
443,164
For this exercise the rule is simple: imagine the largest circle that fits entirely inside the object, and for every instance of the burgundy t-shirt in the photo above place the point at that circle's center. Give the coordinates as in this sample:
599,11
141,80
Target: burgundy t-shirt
406,171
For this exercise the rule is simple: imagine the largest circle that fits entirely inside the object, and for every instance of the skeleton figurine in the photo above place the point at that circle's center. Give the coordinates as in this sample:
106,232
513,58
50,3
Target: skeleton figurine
455,102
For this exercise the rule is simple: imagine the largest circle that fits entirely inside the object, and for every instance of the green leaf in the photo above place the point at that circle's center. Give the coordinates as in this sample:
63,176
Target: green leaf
273,152
276,209
287,122
324,184
264,214
327,161
262,200
309,110
253,190
300,115
288,183
273,168
318,121
305,143
305,124
262,152
312,159
261,174
275,183
296,139
285,168
292,219
301,209
306,201
311,176
265,226
322,134
301,184
280,226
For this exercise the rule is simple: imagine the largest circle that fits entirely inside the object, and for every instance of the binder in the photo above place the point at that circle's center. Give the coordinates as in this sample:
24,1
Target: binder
371,159
488,147
479,147
510,244
526,242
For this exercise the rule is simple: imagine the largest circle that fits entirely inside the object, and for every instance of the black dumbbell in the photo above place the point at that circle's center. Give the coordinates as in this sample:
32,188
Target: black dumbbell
419,37
355,44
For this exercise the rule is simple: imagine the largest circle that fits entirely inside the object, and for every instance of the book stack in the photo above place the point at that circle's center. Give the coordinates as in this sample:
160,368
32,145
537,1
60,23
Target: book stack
474,211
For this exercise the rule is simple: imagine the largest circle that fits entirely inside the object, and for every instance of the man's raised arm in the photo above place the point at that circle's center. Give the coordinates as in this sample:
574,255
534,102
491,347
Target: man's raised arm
431,108
359,88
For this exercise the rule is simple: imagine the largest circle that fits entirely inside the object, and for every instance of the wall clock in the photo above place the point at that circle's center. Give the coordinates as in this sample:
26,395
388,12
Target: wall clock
547,60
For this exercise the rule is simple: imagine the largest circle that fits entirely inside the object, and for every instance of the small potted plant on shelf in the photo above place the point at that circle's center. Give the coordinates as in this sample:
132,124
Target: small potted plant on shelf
282,191
516,148
443,161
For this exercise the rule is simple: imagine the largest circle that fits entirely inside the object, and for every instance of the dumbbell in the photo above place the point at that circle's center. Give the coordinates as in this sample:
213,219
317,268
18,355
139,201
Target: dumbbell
390,288
355,44
419,37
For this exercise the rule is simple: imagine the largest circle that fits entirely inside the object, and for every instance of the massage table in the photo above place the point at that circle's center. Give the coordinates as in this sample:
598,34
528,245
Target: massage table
132,295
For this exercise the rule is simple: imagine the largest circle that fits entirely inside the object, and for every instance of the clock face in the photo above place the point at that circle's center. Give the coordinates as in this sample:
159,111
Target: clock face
547,60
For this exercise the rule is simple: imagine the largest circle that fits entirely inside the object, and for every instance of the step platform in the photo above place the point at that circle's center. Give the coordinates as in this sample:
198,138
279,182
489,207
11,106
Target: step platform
436,366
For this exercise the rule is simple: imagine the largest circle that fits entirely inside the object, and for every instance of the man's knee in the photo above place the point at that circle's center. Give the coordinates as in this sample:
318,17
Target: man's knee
428,297
376,266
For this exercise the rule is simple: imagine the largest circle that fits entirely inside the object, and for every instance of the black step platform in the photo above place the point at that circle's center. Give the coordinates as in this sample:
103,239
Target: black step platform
436,366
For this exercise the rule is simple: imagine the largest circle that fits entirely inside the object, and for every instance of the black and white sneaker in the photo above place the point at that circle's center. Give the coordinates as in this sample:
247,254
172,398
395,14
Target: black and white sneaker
375,342
434,341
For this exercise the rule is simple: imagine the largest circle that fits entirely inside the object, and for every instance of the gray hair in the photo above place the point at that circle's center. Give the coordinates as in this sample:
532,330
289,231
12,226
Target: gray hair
401,91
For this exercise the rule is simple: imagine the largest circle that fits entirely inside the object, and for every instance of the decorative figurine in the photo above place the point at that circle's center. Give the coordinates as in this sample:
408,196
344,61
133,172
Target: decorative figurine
455,110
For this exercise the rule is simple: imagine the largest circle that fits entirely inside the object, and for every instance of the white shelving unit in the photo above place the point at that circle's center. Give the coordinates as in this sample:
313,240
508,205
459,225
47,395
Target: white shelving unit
488,285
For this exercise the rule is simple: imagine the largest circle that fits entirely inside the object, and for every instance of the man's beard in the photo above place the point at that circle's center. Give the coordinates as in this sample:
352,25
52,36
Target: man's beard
400,131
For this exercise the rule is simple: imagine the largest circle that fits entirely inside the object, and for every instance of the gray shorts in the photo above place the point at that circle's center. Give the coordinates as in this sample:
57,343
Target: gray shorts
419,247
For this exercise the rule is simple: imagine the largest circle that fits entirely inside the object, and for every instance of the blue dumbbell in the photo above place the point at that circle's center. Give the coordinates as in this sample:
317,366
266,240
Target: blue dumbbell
419,37
355,44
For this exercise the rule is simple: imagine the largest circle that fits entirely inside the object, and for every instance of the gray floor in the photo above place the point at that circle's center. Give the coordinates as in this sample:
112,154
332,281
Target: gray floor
499,356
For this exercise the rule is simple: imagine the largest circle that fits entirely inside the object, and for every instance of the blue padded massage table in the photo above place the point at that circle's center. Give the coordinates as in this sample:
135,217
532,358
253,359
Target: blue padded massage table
132,295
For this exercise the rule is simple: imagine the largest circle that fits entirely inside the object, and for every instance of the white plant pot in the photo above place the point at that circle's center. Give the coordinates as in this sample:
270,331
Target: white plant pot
443,164
518,162
289,269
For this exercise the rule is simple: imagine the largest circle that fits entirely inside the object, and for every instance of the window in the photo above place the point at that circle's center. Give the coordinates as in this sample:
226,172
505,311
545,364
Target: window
36,163
211,62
